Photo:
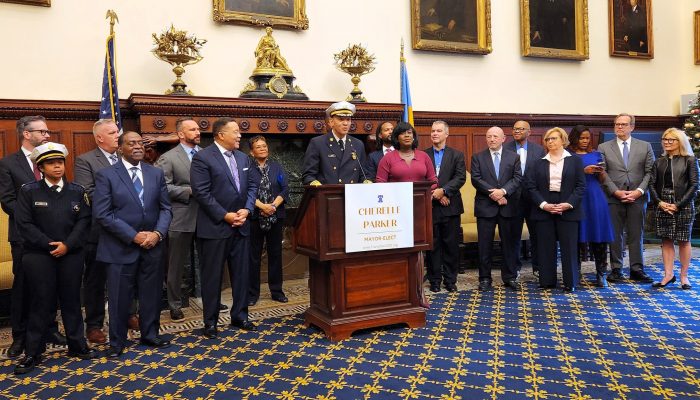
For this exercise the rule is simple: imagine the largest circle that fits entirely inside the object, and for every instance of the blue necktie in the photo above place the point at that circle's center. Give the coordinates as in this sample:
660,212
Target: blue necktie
496,163
192,153
234,169
137,183
113,159
625,153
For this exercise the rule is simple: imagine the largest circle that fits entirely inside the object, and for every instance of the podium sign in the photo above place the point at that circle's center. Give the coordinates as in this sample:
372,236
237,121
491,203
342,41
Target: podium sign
378,216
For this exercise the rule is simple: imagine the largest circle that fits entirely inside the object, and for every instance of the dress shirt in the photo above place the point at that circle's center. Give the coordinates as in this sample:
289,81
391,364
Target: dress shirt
27,153
556,170
438,159
139,172
344,139
500,157
188,150
59,184
522,155
387,149
107,155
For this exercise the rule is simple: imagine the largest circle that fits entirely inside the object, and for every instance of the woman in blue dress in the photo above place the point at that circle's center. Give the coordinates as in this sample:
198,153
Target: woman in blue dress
596,227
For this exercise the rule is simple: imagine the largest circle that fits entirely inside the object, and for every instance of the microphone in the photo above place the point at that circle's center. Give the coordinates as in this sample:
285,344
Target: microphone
354,156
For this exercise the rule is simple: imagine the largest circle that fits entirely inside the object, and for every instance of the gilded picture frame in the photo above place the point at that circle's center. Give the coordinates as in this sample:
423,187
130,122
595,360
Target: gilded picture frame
631,28
554,29
696,40
454,26
42,3
275,13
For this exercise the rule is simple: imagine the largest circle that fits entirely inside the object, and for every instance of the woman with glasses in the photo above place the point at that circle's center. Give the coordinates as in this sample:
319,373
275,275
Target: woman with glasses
556,185
673,186
596,228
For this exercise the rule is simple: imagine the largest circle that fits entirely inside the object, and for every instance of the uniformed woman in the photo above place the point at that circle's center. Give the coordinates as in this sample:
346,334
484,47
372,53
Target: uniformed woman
53,217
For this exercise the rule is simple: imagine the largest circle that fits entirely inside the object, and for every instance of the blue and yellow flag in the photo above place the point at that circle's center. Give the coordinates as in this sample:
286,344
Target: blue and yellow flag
109,107
405,92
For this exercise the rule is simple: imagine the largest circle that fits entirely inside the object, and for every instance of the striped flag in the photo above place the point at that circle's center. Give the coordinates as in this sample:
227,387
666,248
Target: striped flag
405,91
109,108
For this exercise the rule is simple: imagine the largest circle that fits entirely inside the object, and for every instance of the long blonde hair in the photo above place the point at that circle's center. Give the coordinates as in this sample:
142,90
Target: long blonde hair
685,148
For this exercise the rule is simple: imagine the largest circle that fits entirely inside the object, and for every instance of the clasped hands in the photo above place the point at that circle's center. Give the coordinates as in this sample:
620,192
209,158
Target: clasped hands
627,196
60,250
668,208
439,195
499,196
236,219
557,208
267,210
146,239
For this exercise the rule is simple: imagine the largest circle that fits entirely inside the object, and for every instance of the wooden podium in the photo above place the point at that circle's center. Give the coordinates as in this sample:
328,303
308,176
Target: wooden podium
351,291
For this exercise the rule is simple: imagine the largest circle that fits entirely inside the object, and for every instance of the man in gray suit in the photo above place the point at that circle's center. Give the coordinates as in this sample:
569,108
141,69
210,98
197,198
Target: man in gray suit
87,164
176,165
628,165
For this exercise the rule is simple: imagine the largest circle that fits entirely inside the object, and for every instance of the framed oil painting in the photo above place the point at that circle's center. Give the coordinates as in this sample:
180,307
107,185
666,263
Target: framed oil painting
43,3
275,13
455,26
696,42
631,28
554,28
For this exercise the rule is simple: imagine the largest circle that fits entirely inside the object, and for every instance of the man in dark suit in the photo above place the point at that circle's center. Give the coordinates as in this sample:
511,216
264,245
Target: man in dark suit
636,27
335,157
528,152
176,165
87,164
552,24
496,176
16,170
225,190
130,202
628,164
447,208
383,134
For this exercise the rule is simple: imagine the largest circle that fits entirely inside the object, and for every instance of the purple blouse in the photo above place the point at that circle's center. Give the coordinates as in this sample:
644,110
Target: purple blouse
392,168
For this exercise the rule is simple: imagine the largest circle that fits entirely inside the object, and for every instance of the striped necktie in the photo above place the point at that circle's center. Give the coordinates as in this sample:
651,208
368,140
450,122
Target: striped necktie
138,185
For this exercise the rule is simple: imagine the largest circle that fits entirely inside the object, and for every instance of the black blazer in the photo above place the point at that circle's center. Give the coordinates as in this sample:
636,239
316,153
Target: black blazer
453,174
573,186
685,179
278,182
373,162
534,153
484,178
14,172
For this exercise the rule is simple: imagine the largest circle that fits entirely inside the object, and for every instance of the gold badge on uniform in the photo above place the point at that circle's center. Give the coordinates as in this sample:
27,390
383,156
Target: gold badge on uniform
86,198
354,156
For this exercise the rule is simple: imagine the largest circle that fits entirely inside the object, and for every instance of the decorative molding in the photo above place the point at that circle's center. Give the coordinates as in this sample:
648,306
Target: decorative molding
204,124
301,126
282,126
159,123
264,126
244,125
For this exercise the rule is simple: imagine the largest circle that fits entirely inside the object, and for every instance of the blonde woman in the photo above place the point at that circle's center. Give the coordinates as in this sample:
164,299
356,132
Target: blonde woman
673,187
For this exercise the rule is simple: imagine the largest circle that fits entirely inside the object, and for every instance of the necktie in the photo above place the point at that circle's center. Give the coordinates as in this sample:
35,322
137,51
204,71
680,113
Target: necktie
523,159
234,168
138,185
496,163
113,159
54,188
37,174
193,152
625,153
341,145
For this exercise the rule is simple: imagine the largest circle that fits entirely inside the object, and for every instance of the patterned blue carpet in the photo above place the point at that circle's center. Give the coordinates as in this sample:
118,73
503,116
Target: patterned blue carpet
628,342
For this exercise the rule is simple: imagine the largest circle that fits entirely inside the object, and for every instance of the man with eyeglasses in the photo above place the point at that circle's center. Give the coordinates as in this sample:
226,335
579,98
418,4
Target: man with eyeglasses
628,164
528,152
16,170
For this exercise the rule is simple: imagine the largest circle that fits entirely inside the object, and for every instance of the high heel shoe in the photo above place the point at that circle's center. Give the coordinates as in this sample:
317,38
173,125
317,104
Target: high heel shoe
661,285
686,286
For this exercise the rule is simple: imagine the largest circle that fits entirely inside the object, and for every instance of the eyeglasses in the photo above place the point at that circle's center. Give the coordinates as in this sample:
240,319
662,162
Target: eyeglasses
549,139
520,129
669,140
622,124
44,132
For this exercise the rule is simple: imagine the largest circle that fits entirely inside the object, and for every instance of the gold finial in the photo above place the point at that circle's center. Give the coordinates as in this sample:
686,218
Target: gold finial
112,19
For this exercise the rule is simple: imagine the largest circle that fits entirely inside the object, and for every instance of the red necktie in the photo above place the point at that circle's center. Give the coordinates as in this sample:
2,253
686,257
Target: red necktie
37,174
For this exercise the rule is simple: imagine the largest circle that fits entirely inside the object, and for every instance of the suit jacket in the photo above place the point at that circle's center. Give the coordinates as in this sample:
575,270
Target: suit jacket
534,153
638,172
118,210
279,185
214,189
175,164
14,172
484,178
373,162
86,167
453,174
573,186
325,162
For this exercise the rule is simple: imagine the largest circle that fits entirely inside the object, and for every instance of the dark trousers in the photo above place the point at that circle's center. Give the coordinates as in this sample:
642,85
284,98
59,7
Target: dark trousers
179,257
94,281
486,228
273,243
628,221
235,251
144,277
533,242
444,258
46,278
566,233
20,298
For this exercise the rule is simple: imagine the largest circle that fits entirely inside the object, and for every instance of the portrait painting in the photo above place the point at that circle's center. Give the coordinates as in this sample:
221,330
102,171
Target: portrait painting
275,13
630,25
456,26
42,3
554,28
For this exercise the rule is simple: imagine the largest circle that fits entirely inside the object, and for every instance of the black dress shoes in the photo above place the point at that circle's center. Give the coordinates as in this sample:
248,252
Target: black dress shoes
640,276
434,287
544,287
209,332
512,285
484,285
16,349
569,289
156,342
615,276
281,298
57,339
223,307
27,365
252,302
451,288
244,325
114,352
176,314
662,285
84,354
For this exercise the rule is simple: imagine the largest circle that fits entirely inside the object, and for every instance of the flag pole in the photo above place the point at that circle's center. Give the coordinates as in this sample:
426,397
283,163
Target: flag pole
112,20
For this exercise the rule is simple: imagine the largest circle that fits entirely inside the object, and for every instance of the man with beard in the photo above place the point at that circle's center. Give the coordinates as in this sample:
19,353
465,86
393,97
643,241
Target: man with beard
383,134
176,167
132,207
